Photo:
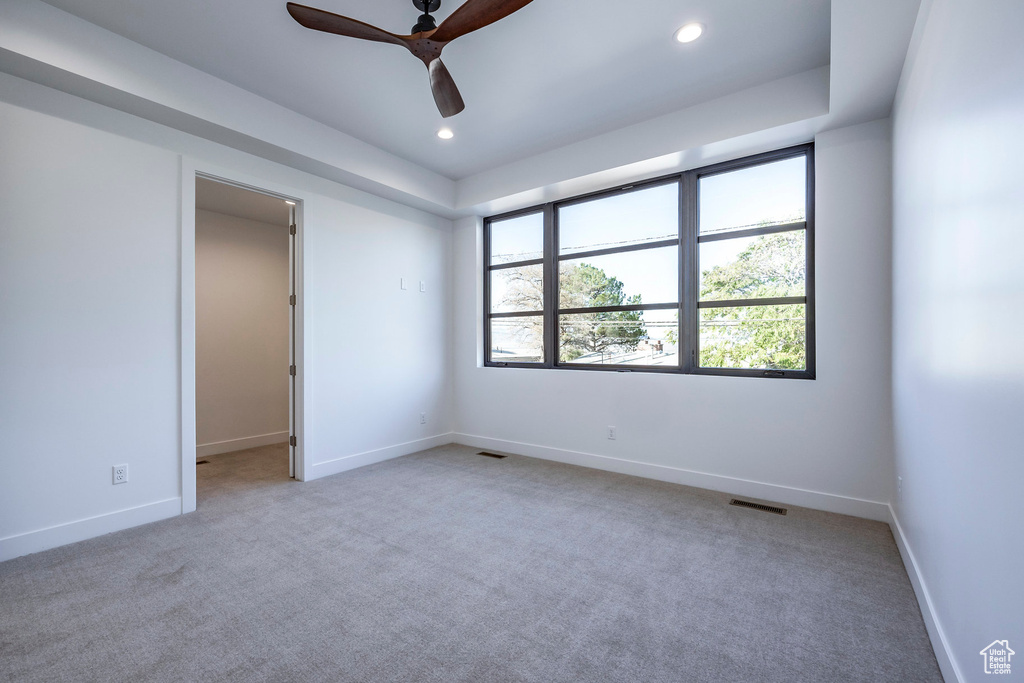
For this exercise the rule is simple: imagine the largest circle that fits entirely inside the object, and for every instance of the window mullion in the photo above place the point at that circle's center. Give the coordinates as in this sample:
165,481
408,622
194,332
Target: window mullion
811,345
688,275
616,250
550,287
752,232
487,291
516,264
749,303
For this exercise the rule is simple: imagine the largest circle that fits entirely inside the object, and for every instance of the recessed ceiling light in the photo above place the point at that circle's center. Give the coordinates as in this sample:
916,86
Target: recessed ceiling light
445,134
690,32
289,202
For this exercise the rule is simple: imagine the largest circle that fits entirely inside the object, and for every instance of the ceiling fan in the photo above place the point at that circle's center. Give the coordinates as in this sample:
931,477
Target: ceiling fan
426,40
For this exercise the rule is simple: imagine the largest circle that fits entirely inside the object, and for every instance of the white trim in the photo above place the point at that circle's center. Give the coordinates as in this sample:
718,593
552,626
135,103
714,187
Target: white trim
940,644
90,527
351,462
190,169
187,334
218,447
817,500
302,396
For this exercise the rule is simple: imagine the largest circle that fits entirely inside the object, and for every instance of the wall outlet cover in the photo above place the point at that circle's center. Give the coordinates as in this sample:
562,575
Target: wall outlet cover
120,474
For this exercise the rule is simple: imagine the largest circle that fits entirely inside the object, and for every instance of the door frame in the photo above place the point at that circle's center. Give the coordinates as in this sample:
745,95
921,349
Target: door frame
190,170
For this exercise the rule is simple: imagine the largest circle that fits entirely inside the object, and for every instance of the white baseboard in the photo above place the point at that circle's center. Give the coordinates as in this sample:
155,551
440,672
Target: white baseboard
943,653
828,502
350,462
218,447
82,529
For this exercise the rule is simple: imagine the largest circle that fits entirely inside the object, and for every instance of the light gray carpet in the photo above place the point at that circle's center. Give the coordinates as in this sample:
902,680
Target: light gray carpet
449,566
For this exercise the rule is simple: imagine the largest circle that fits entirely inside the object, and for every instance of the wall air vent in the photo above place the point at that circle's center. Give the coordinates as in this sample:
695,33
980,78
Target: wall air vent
492,455
758,506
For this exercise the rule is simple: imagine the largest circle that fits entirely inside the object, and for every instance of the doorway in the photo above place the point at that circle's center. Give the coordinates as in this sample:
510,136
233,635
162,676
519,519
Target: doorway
246,323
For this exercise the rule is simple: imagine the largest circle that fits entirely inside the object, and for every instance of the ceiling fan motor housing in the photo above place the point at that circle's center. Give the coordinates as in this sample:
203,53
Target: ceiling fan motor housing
426,23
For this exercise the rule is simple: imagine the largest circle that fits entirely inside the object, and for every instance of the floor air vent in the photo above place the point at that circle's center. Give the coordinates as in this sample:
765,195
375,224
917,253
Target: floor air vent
758,506
492,455
202,462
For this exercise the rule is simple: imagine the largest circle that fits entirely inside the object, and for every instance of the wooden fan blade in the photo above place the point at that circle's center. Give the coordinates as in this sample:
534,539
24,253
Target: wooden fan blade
446,95
474,14
320,20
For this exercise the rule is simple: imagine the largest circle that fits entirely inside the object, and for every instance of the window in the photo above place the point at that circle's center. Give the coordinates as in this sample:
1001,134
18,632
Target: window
704,272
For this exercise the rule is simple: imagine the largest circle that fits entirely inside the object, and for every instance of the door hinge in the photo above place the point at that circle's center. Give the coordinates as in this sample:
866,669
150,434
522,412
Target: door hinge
291,370
293,441
291,229
291,300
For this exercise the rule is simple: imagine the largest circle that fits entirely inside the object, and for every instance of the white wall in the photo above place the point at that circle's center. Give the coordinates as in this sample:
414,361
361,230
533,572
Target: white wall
89,317
380,353
785,440
88,339
242,332
958,324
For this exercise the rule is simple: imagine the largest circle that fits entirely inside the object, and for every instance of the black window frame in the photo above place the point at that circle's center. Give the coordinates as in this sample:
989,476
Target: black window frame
687,243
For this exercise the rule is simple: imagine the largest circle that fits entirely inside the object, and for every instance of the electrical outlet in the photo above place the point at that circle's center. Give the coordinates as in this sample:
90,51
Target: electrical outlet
120,474
899,489
401,282
611,433
423,286
423,418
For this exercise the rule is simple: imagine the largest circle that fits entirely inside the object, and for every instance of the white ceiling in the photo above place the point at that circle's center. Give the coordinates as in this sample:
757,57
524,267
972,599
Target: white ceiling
554,73
236,201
